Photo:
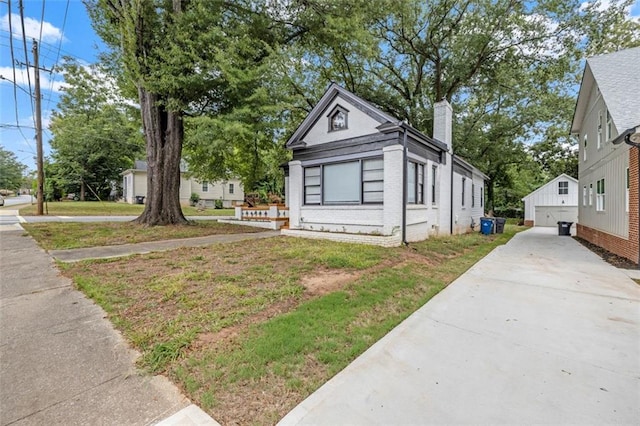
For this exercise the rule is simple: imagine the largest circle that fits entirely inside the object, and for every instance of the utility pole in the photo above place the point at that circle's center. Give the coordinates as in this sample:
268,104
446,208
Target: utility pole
38,107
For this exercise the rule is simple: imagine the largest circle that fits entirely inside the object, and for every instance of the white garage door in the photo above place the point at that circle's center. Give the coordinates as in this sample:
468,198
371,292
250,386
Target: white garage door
551,215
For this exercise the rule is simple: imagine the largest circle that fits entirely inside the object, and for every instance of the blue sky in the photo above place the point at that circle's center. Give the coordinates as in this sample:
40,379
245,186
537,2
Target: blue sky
59,36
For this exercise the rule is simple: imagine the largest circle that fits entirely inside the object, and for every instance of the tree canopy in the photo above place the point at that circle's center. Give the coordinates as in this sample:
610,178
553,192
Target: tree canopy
96,135
11,170
230,80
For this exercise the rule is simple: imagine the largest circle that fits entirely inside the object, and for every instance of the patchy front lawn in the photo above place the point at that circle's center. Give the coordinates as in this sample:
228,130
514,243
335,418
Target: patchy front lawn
68,235
110,208
250,329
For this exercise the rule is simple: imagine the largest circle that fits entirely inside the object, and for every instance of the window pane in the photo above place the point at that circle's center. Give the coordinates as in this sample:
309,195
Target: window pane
377,164
373,175
341,183
411,182
312,171
312,199
373,197
372,186
313,180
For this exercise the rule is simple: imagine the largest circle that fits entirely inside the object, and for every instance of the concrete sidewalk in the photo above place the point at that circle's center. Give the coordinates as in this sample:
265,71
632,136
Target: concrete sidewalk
540,331
104,252
61,361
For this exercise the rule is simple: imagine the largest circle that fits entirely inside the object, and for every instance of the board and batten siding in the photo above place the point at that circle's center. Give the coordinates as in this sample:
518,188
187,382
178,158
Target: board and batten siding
548,195
613,168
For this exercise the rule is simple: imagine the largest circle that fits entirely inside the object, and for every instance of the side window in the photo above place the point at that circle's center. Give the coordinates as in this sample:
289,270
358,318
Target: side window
464,184
563,188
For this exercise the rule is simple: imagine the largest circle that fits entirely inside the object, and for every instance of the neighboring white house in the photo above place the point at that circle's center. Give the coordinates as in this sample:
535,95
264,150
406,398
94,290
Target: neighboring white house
134,184
347,177
556,200
607,123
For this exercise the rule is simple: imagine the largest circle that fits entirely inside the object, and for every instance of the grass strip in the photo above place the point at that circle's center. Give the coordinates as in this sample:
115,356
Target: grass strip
69,235
110,208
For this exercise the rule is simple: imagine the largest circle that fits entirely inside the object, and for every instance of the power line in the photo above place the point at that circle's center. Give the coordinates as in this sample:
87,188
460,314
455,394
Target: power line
26,57
64,23
13,64
41,23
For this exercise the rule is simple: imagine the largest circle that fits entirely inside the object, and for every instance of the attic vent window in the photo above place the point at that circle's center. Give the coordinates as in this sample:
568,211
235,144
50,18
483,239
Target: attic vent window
338,119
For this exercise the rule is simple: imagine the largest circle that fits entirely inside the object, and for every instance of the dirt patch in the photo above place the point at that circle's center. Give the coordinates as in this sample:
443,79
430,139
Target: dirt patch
323,282
607,256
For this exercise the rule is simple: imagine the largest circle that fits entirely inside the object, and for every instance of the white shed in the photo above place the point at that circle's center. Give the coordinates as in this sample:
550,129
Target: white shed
554,201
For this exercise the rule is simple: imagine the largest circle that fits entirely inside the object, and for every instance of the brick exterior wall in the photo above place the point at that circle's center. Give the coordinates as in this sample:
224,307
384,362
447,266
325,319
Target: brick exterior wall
391,241
627,248
528,223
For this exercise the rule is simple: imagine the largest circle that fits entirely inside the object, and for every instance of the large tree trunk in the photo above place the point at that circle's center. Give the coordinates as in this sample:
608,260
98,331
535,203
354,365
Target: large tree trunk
164,133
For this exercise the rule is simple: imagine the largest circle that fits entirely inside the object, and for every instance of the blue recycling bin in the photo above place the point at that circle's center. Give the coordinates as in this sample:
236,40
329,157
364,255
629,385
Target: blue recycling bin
486,225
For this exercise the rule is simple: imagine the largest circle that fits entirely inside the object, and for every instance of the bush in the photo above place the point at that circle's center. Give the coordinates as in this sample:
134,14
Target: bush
218,204
194,199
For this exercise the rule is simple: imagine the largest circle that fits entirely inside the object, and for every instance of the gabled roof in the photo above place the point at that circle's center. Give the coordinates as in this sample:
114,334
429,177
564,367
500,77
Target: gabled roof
470,167
387,122
617,76
563,176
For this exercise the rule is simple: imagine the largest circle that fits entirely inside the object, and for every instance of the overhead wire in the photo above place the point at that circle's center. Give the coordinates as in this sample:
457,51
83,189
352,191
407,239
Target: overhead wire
26,57
64,23
15,85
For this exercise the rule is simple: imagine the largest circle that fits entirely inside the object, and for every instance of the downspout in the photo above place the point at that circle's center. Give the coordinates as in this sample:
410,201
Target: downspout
404,188
451,196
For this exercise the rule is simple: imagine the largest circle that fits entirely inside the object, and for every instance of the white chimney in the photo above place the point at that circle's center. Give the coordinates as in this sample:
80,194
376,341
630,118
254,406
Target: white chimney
442,122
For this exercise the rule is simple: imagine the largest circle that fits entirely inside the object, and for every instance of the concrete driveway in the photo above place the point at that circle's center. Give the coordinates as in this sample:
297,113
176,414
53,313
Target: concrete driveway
539,331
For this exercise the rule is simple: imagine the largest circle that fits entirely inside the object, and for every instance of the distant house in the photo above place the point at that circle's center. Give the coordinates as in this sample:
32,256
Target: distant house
607,123
346,180
556,200
134,184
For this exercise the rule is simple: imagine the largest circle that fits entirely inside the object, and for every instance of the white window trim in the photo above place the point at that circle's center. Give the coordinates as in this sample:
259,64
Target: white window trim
626,197
599,133
322,189
601,195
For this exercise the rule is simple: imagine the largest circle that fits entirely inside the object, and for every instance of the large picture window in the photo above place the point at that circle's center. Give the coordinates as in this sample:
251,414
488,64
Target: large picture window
353,182
341,183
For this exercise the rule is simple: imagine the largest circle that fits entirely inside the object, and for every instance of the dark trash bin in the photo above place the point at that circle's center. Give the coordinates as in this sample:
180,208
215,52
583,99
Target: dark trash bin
500,221
486,225
564,228
139,199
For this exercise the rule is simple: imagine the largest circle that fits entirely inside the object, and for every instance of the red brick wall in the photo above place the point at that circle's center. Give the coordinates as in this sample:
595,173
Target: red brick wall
528,223
628,248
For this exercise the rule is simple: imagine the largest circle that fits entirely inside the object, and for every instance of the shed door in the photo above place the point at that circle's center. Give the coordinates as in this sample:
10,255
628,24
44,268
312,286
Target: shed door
551,215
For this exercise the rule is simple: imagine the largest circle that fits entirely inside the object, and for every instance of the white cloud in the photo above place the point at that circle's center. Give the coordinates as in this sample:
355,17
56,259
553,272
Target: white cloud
633,11
50,33
46,81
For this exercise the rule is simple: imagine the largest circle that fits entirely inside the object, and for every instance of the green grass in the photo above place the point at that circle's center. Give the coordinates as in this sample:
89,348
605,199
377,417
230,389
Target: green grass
238,331
108,208
69,235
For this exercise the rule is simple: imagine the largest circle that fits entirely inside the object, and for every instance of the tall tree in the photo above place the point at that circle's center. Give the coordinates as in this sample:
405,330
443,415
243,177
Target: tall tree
11,170
95,134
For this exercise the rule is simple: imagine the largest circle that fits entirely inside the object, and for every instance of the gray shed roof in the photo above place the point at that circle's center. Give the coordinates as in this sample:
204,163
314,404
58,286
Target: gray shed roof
618,78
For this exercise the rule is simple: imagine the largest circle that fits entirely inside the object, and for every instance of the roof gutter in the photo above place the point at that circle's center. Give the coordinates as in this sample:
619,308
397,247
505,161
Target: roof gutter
630,137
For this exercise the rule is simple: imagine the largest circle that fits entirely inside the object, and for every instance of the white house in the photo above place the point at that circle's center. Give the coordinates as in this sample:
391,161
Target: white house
607,123
346,180
134,184
556,200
